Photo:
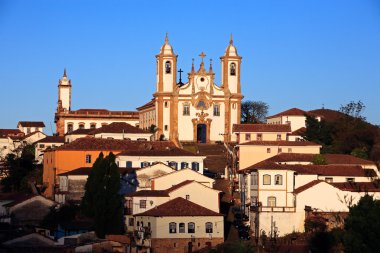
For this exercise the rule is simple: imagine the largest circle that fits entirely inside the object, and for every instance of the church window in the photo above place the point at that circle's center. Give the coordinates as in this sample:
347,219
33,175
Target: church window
234,105
195,166
181,228
232,69
266,179
143,203
81,125
128,164
216,110
172,227
278,180
201,105
166,104
272,201
184,165
88,158
166,127
174,165
208,227
186,109
191,227
93,125
168,67
70,127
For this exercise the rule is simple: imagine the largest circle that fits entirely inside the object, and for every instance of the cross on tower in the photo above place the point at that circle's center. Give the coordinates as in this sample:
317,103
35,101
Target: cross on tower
202,55
180,75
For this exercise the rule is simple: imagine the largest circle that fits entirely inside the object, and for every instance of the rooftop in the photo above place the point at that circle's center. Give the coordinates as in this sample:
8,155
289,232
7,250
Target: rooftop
10,132
52,139
150,104
330,158
280,143
119,127
261,128
290,112
31,124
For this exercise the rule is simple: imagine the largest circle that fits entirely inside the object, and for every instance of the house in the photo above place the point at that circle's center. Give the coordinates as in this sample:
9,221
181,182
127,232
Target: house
122,131
260,132
179,225
76,134
45,143
145,174
256,151
295,117
28,127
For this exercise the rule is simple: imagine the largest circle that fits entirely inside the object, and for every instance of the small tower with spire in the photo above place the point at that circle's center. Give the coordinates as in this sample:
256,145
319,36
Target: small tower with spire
166,68
231,68
64,93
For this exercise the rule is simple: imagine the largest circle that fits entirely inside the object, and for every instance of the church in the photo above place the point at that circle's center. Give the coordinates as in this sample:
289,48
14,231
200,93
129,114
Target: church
198,110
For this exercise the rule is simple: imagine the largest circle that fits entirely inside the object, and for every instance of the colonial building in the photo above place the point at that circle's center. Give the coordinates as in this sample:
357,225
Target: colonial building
67,120
206,111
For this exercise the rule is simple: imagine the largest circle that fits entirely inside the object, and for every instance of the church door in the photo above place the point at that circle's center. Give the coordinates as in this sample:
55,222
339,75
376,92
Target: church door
201,133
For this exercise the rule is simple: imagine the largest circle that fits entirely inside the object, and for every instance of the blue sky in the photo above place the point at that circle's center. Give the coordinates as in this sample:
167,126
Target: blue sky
301,54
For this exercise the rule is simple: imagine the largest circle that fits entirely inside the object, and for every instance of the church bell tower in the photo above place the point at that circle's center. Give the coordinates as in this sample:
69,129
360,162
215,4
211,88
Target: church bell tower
64,93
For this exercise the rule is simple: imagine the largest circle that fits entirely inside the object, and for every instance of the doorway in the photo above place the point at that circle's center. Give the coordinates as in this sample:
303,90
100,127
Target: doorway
201,133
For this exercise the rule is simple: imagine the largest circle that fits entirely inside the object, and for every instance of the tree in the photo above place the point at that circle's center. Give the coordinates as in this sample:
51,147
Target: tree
253,111
353,109
320,132
102,200
363,226
319,160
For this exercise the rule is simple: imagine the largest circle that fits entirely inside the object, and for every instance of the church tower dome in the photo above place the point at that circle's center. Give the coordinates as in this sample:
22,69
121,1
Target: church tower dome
231,49
166,49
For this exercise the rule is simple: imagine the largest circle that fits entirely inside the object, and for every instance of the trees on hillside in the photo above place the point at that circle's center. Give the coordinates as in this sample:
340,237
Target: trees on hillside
102,200
253,111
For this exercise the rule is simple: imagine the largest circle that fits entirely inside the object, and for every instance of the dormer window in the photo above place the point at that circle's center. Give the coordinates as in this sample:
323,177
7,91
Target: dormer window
168,67
232,69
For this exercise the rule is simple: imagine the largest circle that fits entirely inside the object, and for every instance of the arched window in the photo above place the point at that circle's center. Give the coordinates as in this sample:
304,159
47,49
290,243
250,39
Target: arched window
278,179
272,201
181,228
128,164
195,166
93,125
201,105
168,67
208,227
266,179
81,126
70,127
232,69
191,227
184,165
172,227
174,165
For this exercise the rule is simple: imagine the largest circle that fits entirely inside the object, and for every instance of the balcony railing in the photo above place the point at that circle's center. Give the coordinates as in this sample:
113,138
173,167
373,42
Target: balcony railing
277,209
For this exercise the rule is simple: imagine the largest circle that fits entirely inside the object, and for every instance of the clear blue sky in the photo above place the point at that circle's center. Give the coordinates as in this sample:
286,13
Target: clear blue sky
301,54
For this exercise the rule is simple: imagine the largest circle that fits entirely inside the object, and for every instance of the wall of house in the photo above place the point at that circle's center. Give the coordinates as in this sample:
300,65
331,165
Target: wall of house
285,222
265,136
98,121
151,202
40,147
250,154
169,180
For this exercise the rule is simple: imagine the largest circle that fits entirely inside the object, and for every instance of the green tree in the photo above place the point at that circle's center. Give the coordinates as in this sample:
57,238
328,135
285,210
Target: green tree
319,160
320,132
253,111
102,201
363,226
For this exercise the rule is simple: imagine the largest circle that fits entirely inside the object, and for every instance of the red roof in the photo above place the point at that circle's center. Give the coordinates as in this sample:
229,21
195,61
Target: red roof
249,128
80,131
149,193
52,139
290,112
299,132
307,186
31,123
170,151
10,132
119,127
358,186
279,143
177,186
150,104
179,207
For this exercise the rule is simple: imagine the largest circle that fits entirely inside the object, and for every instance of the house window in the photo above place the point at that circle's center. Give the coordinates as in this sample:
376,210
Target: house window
42,145
289,150
272,201
233,69
187,197
128,164
208,227
174,165
142,203
247,137
268,150
186,109
329,179
172,227
350,179
69,127
131,221
278,179
279,137
81,126
195,166
266,179
88,158
279,150
184,165
259,137
216,110
191,227
181,228
254,179
168,68
93,125
144,164
166,127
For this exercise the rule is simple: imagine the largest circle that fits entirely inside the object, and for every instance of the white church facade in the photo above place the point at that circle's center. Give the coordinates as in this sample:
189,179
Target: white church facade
198,110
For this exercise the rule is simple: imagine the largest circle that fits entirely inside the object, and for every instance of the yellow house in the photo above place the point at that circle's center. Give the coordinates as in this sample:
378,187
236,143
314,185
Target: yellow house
260,132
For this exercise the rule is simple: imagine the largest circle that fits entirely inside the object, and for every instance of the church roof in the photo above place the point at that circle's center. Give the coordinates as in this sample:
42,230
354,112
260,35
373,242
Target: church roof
261,128
119,127
150,104
179,207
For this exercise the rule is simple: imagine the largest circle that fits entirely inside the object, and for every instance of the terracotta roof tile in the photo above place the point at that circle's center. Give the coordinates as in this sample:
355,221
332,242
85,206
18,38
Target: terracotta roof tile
170,151
290,112
10,132
261,128
52,139
177,186
280,143
358,186
179,207
31,123
150,104
85,171
307,186
80,131
149,193
299,132
119,127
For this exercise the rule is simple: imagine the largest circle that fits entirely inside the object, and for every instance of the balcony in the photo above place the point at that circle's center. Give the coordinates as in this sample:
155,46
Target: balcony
276,209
